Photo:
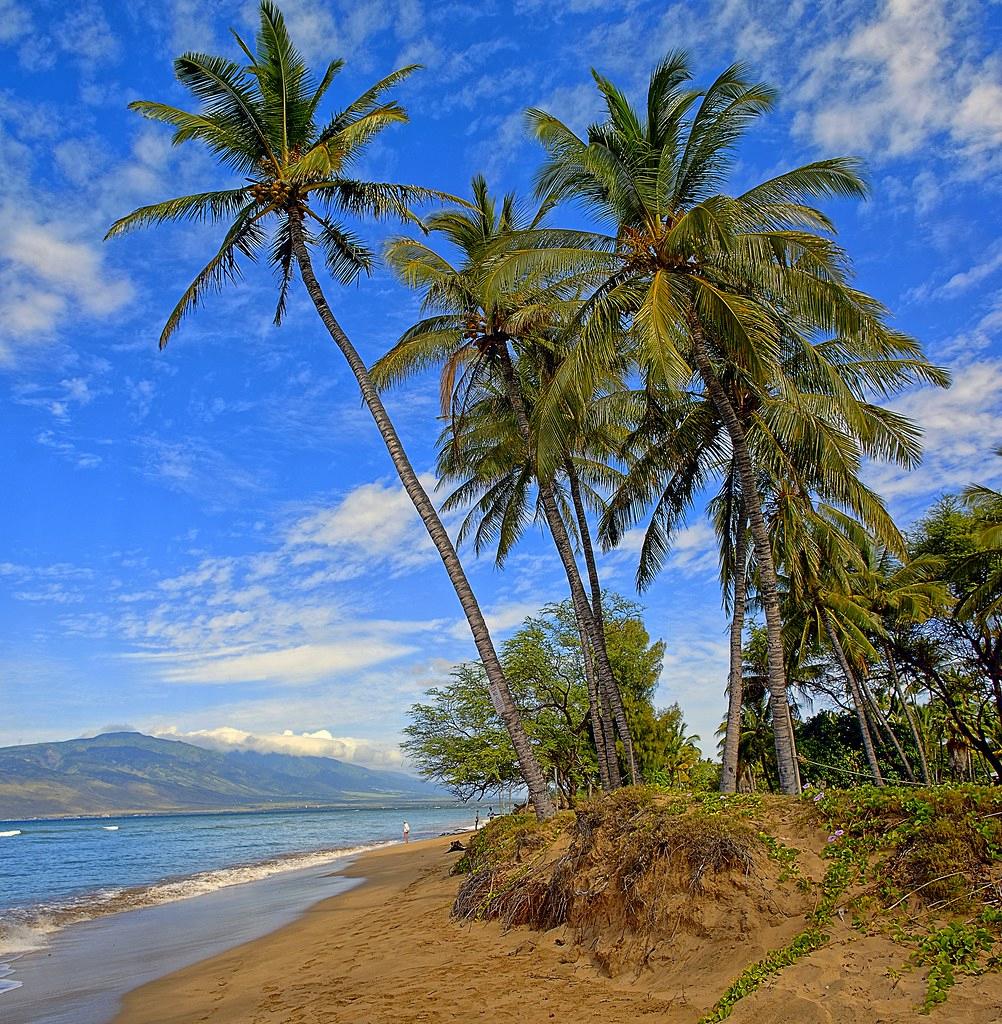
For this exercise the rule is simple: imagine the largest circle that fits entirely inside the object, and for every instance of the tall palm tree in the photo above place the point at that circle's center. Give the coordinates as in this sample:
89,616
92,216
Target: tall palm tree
261,120
485,340
709,285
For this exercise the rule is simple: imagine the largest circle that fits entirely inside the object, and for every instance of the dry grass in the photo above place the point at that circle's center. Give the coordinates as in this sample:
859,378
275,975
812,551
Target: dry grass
627,872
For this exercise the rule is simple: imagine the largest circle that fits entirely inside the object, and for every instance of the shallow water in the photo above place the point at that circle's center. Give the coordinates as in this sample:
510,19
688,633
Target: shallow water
90,908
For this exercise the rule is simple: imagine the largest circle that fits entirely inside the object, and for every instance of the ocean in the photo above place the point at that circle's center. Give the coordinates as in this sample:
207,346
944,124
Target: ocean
92,907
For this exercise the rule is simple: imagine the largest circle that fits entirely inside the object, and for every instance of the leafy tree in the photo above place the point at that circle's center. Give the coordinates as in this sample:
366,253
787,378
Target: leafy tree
262,121
544,662
957,653
666,754
457,738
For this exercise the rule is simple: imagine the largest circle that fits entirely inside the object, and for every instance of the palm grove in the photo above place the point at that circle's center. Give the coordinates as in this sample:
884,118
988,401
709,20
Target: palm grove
689,344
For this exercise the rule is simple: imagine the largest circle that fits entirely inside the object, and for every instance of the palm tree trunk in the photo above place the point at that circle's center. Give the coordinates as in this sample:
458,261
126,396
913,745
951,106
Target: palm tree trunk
768,586
498,684
604,741
596,606
609,728
884,725
857,698
735,678
562,542
906,707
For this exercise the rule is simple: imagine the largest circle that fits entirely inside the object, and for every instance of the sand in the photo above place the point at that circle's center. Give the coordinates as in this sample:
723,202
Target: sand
388,951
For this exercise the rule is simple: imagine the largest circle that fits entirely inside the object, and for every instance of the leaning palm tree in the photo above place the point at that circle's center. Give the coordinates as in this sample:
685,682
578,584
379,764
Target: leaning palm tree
708,284
261,120
494,346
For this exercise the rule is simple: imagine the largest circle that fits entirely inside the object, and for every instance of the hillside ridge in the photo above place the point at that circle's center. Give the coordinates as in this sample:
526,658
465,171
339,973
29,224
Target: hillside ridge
126,772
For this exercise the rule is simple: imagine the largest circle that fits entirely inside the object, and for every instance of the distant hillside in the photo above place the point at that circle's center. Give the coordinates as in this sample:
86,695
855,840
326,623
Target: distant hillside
127,771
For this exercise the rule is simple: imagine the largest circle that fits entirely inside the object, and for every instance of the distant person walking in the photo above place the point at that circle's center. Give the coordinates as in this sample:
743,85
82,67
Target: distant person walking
407,832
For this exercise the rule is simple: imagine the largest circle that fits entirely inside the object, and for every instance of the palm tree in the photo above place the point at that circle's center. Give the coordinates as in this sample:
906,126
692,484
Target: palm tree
261,121
903,594
985,565
732,530
708,284
474,332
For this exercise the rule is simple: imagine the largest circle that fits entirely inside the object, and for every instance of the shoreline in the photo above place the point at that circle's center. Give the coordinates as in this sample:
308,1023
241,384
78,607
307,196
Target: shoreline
80,970
375,877
386,951
36,927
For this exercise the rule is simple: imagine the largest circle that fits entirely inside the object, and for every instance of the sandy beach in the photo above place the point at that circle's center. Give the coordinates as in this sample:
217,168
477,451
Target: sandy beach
387,950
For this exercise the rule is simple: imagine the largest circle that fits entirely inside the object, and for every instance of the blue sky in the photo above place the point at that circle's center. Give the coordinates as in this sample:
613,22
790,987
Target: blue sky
211,539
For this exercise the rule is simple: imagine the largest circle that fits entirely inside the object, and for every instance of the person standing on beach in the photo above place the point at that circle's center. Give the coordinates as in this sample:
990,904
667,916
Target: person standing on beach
407,832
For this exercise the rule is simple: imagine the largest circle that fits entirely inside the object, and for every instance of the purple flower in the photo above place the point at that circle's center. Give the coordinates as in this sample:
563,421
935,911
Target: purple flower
839,832
819,796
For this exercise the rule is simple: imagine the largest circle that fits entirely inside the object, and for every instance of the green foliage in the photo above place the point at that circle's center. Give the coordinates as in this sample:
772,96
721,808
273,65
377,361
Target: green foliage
958,948
507,838
927,844
457,738
787,857
884,839
831,742
666,755
760,972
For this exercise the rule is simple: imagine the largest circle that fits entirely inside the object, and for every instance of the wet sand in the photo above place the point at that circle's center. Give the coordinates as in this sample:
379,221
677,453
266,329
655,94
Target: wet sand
384,951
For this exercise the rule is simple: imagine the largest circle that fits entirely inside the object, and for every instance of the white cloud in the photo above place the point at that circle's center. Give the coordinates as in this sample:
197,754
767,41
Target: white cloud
374,524
894,79
15,20
961,427
305,663
966,279
321,743
82,33
500,619
192,466
694,672
278,615
46,279
693,550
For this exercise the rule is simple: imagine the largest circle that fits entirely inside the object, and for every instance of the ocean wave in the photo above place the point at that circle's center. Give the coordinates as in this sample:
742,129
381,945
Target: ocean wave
10,832
29,929
6,983
110,828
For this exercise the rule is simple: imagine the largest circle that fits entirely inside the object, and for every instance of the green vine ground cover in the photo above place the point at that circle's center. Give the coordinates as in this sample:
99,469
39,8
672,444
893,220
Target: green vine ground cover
901,860
920,866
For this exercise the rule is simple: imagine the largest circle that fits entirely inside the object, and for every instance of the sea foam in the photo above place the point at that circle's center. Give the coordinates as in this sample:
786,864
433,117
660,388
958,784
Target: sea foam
29,929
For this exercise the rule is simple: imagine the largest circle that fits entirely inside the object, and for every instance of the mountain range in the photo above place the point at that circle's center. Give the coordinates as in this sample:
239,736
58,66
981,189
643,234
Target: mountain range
127,772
